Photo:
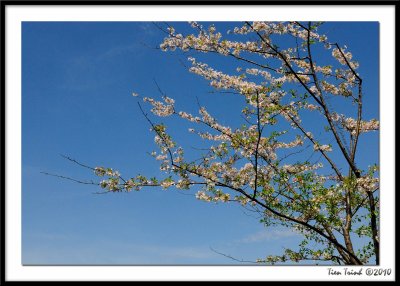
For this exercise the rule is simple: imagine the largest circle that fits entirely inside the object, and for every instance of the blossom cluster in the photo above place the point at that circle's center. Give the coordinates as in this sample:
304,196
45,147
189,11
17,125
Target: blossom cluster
351,124
368,183
220,80
342,56
298,168
160,108
329,87
325,148
101,172
218,196
297,142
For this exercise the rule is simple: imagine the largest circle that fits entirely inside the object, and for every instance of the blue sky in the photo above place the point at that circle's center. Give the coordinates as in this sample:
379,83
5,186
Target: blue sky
77,80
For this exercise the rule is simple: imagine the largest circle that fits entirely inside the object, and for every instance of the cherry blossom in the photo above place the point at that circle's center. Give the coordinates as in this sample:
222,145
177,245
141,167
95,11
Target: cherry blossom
289,177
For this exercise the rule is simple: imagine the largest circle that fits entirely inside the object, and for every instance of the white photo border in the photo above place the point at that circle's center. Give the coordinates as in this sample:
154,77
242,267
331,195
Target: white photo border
15,14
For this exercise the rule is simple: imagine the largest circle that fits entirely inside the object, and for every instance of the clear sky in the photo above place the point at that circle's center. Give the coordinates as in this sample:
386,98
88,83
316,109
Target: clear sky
77,81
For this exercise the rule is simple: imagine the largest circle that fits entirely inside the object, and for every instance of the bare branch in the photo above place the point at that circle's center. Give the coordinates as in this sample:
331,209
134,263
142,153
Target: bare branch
71,179
233,258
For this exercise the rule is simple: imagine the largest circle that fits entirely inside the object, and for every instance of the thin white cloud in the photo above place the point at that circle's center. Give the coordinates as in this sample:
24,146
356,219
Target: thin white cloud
107,253
120,51
265,235
46,236
148,28
184,252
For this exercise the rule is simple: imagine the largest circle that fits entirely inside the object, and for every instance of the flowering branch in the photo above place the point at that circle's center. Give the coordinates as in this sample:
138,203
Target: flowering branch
249,166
